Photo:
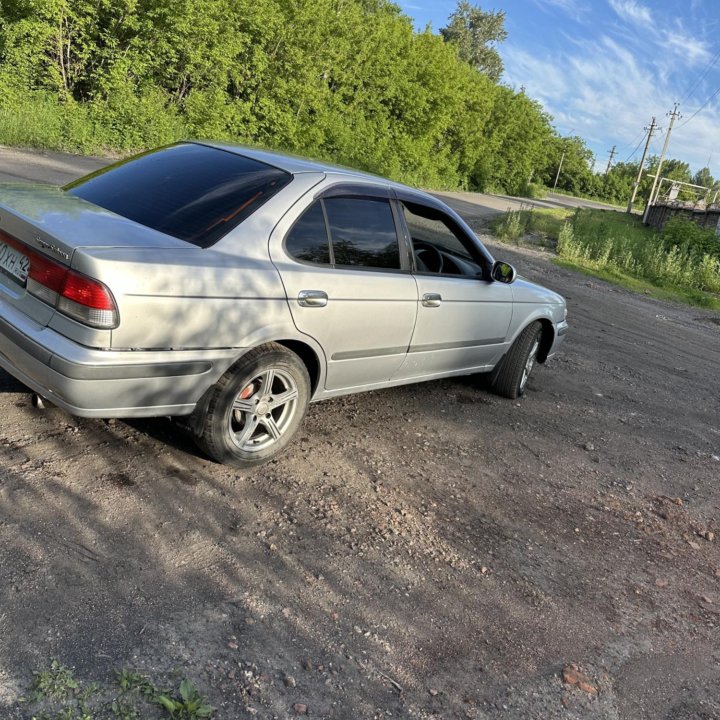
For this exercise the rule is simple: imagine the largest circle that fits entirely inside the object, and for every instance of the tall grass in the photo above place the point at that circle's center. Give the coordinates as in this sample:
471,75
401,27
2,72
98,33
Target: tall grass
603,240
513,224
510,226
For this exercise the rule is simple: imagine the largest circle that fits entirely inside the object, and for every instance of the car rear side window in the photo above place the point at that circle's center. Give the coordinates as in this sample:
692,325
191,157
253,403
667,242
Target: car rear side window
308,240
363,232
193,192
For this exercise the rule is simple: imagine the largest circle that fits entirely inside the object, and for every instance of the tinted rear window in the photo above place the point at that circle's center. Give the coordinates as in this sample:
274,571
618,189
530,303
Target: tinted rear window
192,192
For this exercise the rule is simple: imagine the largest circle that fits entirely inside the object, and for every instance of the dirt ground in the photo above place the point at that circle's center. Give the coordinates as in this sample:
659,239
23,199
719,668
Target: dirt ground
430,551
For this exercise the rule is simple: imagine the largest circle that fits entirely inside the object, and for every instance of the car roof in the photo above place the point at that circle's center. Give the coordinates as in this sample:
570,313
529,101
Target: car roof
295,164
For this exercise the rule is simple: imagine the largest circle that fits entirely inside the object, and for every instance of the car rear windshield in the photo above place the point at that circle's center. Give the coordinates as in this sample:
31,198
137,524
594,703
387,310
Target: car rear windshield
192,192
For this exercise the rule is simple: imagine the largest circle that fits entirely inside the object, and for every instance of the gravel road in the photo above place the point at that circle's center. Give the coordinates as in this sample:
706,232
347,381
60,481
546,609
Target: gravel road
429,551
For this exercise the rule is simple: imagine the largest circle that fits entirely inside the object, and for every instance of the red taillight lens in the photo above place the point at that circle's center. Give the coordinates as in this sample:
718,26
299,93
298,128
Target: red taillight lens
85,291
77,296
46,272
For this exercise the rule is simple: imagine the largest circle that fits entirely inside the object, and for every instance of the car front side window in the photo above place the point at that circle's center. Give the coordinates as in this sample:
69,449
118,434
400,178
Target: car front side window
438,247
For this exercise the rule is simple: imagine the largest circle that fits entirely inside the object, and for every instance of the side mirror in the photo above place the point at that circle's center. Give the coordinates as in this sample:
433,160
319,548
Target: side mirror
503,272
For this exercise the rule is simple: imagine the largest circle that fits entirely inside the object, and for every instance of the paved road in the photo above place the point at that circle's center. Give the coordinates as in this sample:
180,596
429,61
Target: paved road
60,168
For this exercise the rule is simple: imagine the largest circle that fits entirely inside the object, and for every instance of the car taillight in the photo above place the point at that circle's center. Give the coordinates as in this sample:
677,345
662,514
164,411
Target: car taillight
86,300
45,278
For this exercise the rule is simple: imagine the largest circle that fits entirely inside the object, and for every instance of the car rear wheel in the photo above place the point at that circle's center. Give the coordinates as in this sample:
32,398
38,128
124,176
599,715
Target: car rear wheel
256,408
511,376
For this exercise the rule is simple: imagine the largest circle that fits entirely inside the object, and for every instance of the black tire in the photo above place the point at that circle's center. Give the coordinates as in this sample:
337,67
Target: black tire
252,414
510,377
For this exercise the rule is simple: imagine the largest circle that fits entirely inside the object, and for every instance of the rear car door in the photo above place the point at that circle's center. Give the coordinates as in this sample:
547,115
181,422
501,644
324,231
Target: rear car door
349,285
463,316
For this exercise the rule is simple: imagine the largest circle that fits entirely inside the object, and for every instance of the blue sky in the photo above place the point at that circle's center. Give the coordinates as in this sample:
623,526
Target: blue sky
603,68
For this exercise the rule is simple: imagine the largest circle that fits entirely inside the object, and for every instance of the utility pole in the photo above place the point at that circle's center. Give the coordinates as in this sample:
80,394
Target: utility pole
674,115
562,157
636,184
613,152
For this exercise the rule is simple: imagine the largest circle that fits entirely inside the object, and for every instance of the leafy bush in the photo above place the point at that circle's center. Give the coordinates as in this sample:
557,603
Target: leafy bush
511,226
682,232
566,240
535,191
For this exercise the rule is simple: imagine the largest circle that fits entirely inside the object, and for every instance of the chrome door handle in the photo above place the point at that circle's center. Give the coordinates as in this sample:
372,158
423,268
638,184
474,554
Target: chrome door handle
312,298
431,300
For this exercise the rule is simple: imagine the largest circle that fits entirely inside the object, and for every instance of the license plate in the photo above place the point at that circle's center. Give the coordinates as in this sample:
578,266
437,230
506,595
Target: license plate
13,263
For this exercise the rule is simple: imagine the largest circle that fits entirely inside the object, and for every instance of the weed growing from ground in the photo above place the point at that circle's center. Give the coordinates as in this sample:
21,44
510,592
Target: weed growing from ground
56,694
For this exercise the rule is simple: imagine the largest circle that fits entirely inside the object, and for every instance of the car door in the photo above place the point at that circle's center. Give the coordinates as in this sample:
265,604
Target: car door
463,317
349,285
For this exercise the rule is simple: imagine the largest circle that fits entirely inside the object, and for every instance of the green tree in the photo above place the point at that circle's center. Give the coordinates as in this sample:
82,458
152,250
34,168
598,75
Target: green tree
349,81
475,33
576,171
704,178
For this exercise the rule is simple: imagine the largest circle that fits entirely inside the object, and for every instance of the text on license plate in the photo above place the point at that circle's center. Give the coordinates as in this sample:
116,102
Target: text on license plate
13,262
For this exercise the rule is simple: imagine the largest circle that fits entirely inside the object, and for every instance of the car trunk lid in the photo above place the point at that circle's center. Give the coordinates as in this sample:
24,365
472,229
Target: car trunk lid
45,223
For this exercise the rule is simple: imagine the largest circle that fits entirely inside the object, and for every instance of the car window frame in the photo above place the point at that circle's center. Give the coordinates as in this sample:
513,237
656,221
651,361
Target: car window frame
328,238
359,191
475,248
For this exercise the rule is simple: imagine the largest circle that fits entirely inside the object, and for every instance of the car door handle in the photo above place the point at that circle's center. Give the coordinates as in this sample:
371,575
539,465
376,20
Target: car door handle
432,300
312,298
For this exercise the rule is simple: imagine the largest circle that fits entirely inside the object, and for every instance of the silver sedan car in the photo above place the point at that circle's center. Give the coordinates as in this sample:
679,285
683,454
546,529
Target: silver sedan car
234,286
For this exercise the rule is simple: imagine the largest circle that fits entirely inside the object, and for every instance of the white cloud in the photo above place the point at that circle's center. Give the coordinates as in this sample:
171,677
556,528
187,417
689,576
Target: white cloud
693,50
606,93
574,8
567,5
632,11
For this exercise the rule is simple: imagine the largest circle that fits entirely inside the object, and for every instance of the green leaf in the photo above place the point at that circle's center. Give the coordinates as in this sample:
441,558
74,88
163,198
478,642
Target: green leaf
187,690
168,703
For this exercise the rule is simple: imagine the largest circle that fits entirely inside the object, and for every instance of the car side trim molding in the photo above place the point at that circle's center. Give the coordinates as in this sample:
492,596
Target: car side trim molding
359,354
455,345
381,352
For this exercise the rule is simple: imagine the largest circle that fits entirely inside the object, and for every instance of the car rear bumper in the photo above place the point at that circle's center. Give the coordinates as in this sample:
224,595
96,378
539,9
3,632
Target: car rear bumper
105,383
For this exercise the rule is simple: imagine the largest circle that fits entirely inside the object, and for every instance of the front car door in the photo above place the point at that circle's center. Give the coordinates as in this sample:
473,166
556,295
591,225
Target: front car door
463,316
348,283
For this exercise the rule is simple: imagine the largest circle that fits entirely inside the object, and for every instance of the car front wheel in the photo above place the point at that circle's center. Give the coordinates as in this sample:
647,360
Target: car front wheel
256,408
512,374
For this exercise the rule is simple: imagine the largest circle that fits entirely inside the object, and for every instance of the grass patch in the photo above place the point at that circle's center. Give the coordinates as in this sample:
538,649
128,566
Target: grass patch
675,294
544,224
609,241
56,694
682,263
639,203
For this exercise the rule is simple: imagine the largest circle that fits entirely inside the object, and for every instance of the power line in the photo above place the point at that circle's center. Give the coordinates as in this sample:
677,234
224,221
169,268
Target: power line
709,66
704,105
637,147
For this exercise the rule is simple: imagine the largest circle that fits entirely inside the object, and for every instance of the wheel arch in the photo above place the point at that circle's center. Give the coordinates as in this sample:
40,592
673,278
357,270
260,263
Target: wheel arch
547,338
309,358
